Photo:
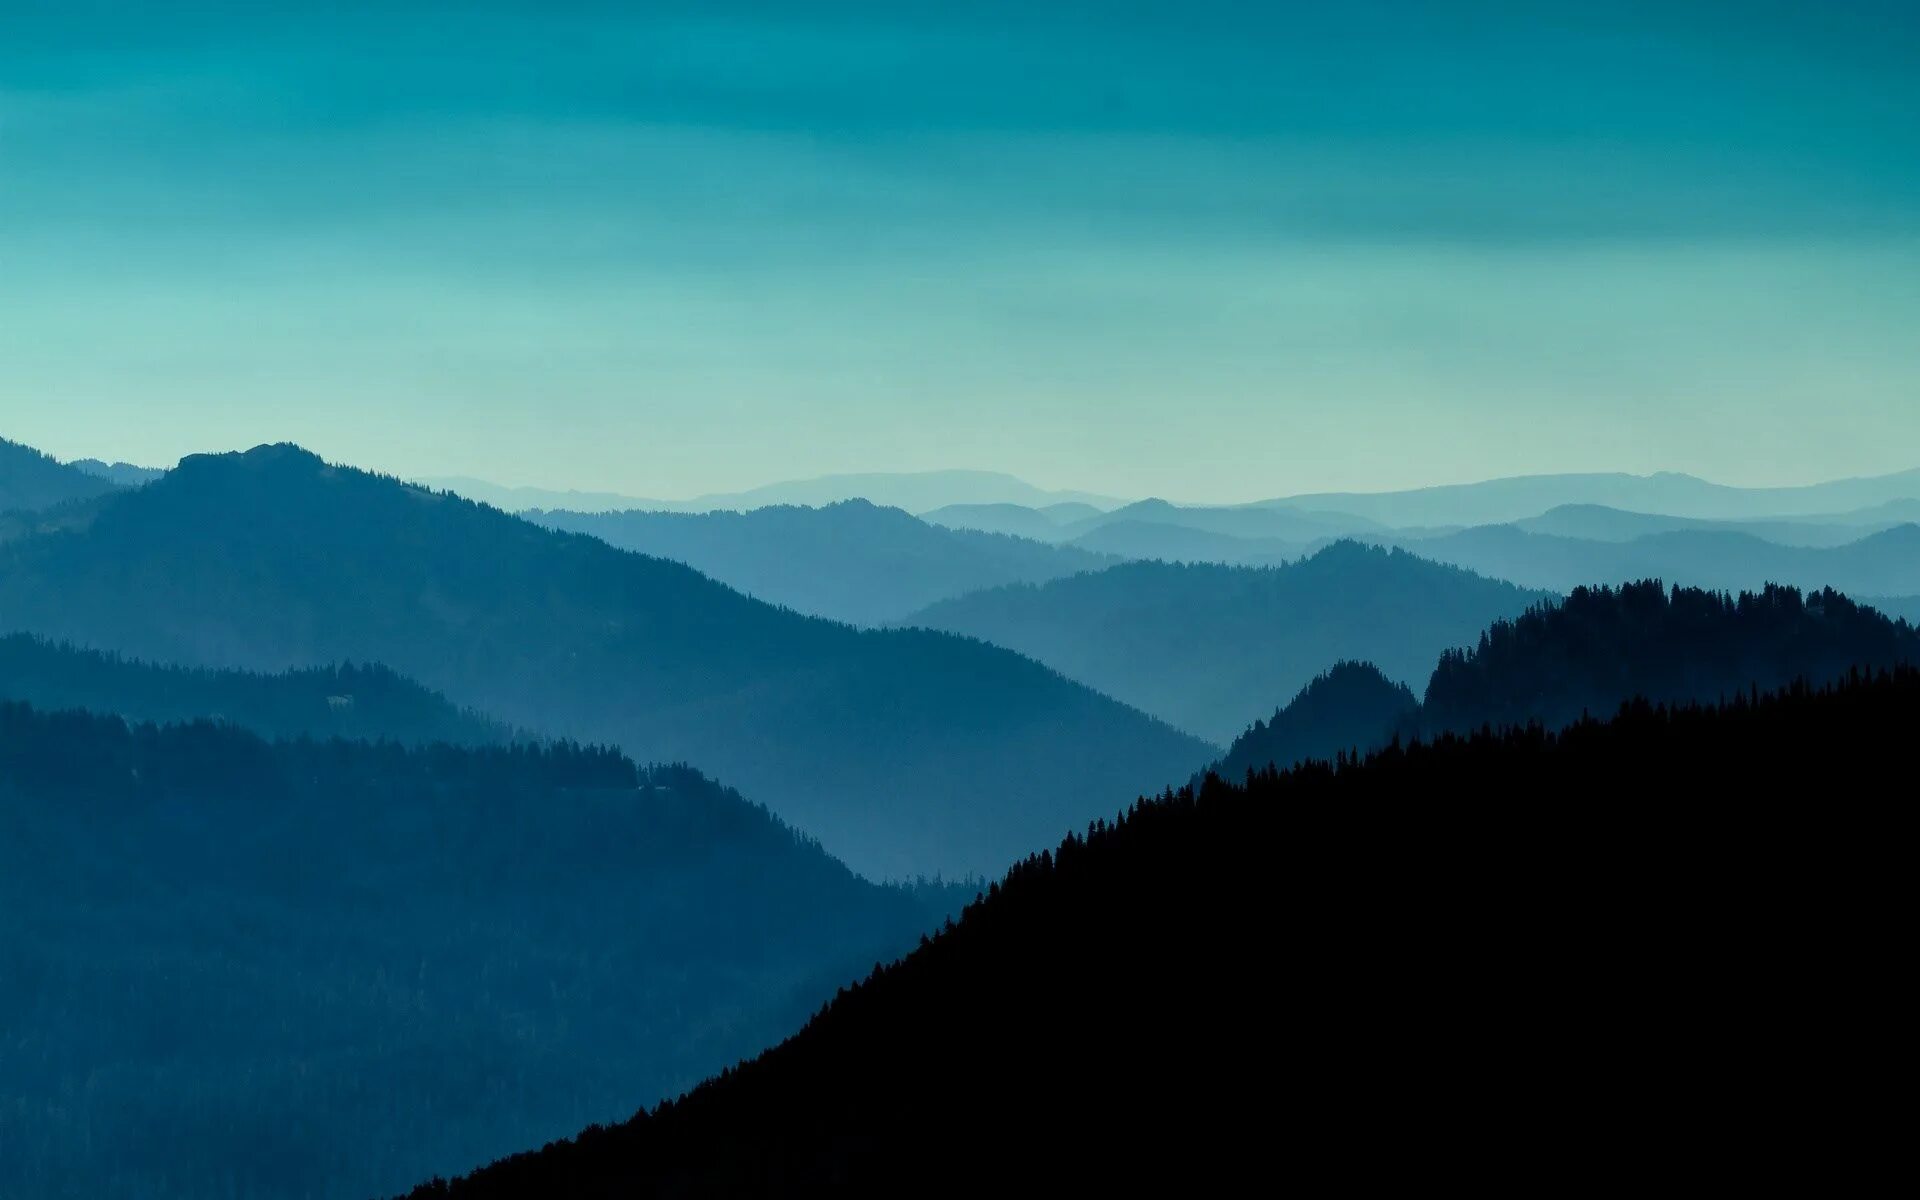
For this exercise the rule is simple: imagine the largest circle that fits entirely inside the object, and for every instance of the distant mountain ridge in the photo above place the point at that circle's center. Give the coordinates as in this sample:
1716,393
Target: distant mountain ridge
913,491
850,561
1498,501
905,752
1204,645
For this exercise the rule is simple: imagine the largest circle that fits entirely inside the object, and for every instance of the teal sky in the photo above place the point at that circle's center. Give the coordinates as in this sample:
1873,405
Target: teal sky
1203,250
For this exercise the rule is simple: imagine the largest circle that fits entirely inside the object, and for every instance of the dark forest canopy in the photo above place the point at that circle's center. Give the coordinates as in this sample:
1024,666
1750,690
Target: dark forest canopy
1204,645
347,701
1659,942
231,967
906,752
1587,654
852,561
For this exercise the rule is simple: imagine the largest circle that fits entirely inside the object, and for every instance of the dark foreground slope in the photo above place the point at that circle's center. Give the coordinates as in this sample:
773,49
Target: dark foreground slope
852,561
1507,962
904,751
355,702
1206,646
236,968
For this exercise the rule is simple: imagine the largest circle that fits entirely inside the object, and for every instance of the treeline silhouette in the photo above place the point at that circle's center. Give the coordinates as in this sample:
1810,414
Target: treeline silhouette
365,702
1660,946
233,967
1586,654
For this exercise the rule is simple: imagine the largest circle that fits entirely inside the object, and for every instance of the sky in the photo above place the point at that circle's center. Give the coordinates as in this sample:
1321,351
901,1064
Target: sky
1201,250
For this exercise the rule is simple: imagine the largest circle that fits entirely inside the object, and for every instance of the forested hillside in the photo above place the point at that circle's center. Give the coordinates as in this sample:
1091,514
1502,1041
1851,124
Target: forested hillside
29,480
1635,948
1587,654
346,701
238,968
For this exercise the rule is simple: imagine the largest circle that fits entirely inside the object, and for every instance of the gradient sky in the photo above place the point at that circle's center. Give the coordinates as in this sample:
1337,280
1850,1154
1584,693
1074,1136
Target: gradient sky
1203,250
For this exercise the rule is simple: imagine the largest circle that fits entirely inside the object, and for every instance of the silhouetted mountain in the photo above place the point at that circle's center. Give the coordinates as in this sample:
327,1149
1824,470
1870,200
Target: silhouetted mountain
118,473
30,481
1638,949
1495,501
1352,707
850,561
1205,645
1599,523
364,702
235,968
914,491
1598,647
1884,563
906,752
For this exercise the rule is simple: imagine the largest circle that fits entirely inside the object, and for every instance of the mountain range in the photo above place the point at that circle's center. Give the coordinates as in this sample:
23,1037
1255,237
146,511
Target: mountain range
1500,959
1206,647
1497,501
905,751
914,491
850,561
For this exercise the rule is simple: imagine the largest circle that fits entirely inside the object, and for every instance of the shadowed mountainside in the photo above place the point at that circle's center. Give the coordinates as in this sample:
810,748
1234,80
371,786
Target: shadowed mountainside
1349,708
905,752
851,561
31,481
1495,956
306,969
1202,646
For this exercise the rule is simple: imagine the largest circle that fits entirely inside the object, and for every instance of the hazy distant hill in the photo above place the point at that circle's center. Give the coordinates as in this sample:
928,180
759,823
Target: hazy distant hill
1207,646
1900,608
904,751
29,480
850,561
365,702
120,473
1884,563
1350,707
1253,523
327,970
1496,501
1015,520
914,491
1481,960
1599,523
